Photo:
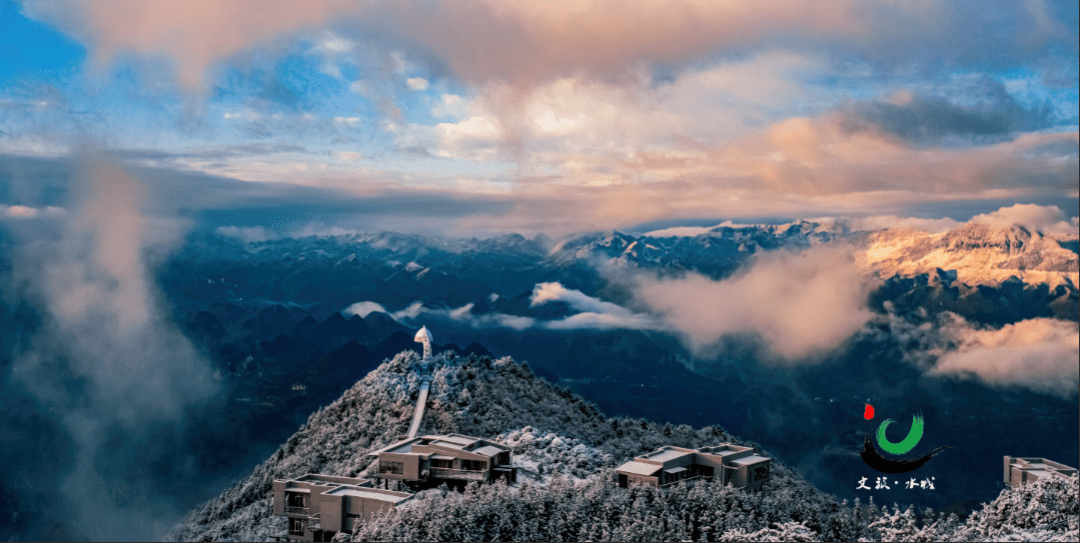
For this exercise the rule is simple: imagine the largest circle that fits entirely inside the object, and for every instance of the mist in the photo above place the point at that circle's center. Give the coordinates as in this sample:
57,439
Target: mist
1038,354
106,362
799,304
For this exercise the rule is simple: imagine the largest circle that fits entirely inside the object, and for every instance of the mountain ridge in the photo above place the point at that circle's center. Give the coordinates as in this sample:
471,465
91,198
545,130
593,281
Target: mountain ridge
473,395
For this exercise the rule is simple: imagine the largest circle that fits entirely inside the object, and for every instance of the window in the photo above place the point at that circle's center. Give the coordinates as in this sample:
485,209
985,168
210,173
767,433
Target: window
294,499
393,468
296,526
444,464
503,458
761,472
474,465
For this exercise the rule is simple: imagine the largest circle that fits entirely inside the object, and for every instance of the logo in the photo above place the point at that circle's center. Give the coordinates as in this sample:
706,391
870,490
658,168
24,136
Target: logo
875,460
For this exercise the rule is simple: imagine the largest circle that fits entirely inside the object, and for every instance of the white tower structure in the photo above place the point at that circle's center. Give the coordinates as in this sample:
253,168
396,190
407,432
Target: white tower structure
423,336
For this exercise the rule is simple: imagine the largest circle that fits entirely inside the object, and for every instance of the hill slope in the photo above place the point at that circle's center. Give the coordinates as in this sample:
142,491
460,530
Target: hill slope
470,395
574,497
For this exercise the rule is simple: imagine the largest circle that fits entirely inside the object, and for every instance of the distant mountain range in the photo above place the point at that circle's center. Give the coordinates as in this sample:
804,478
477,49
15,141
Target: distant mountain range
278,323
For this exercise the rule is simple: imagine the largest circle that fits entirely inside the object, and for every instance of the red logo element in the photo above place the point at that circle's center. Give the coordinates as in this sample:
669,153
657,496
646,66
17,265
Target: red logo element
868,413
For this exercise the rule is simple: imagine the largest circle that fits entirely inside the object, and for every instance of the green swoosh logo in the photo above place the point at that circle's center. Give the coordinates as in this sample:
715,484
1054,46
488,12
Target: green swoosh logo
909,442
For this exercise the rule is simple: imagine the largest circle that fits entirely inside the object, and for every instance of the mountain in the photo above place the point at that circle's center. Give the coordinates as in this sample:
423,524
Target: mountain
573,496
980,254
471,395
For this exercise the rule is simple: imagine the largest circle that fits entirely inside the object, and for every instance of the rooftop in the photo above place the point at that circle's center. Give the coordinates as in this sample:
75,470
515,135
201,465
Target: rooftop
664,455
371,494
639,468
488,450
450,441
752,459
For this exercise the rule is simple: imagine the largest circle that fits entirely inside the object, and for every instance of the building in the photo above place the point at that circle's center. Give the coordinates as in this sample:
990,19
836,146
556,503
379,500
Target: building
453,459
1025,470
319,506
732,464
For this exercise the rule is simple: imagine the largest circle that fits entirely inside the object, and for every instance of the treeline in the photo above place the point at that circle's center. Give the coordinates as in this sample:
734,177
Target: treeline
597,510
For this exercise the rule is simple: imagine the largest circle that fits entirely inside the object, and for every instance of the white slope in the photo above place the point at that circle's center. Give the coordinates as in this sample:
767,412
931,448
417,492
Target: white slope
980,254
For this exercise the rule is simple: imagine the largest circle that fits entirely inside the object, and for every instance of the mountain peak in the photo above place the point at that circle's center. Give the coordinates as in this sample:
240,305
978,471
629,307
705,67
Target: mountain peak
472,395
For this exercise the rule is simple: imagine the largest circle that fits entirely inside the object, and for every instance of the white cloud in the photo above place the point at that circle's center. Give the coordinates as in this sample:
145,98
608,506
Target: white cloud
363,309
604,321
881,222
691,231
800,304
1045,219
555,292
26,212
410,312
417,83
1039,354
462,314
595,313
247,234
321,230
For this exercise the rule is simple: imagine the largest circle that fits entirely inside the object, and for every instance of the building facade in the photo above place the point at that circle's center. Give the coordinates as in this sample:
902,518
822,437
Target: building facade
728,463
454,459
1025,470
319,506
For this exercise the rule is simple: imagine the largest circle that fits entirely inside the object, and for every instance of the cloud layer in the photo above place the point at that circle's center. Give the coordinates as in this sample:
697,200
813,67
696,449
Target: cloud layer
800,304
1039,354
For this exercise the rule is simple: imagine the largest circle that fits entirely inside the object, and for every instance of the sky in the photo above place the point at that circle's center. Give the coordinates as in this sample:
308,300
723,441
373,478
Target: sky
480,117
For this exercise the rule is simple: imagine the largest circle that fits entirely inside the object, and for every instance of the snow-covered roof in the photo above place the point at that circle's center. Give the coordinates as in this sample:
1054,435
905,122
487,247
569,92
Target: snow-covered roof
638,468
488,450
666,454
752,459
371,494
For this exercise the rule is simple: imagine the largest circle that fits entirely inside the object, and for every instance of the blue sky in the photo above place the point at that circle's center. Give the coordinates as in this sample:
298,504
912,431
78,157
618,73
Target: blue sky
548,116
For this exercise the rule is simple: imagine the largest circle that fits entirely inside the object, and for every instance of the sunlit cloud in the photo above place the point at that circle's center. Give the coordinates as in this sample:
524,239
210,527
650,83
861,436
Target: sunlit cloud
1039,354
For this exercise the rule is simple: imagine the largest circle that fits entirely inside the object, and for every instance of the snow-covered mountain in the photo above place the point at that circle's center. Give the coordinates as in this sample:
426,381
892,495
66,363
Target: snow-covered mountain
470,395
575,496
979,253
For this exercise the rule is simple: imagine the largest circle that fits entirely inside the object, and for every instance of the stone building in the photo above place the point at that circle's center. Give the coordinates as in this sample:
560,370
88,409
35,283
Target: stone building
1025,470
454,459
732,464
319,506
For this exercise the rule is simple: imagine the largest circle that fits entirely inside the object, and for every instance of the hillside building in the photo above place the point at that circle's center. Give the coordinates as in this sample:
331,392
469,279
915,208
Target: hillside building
319,506
1025,470
453,459
732,464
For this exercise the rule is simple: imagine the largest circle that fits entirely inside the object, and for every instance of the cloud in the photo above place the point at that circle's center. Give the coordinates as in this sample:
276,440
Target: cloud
525,44
104,327
925,120
363,309
27,212
691,231
1039,354
463,314
555,292
881,222
247,234
595,313
800,304
195,34
1045,219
